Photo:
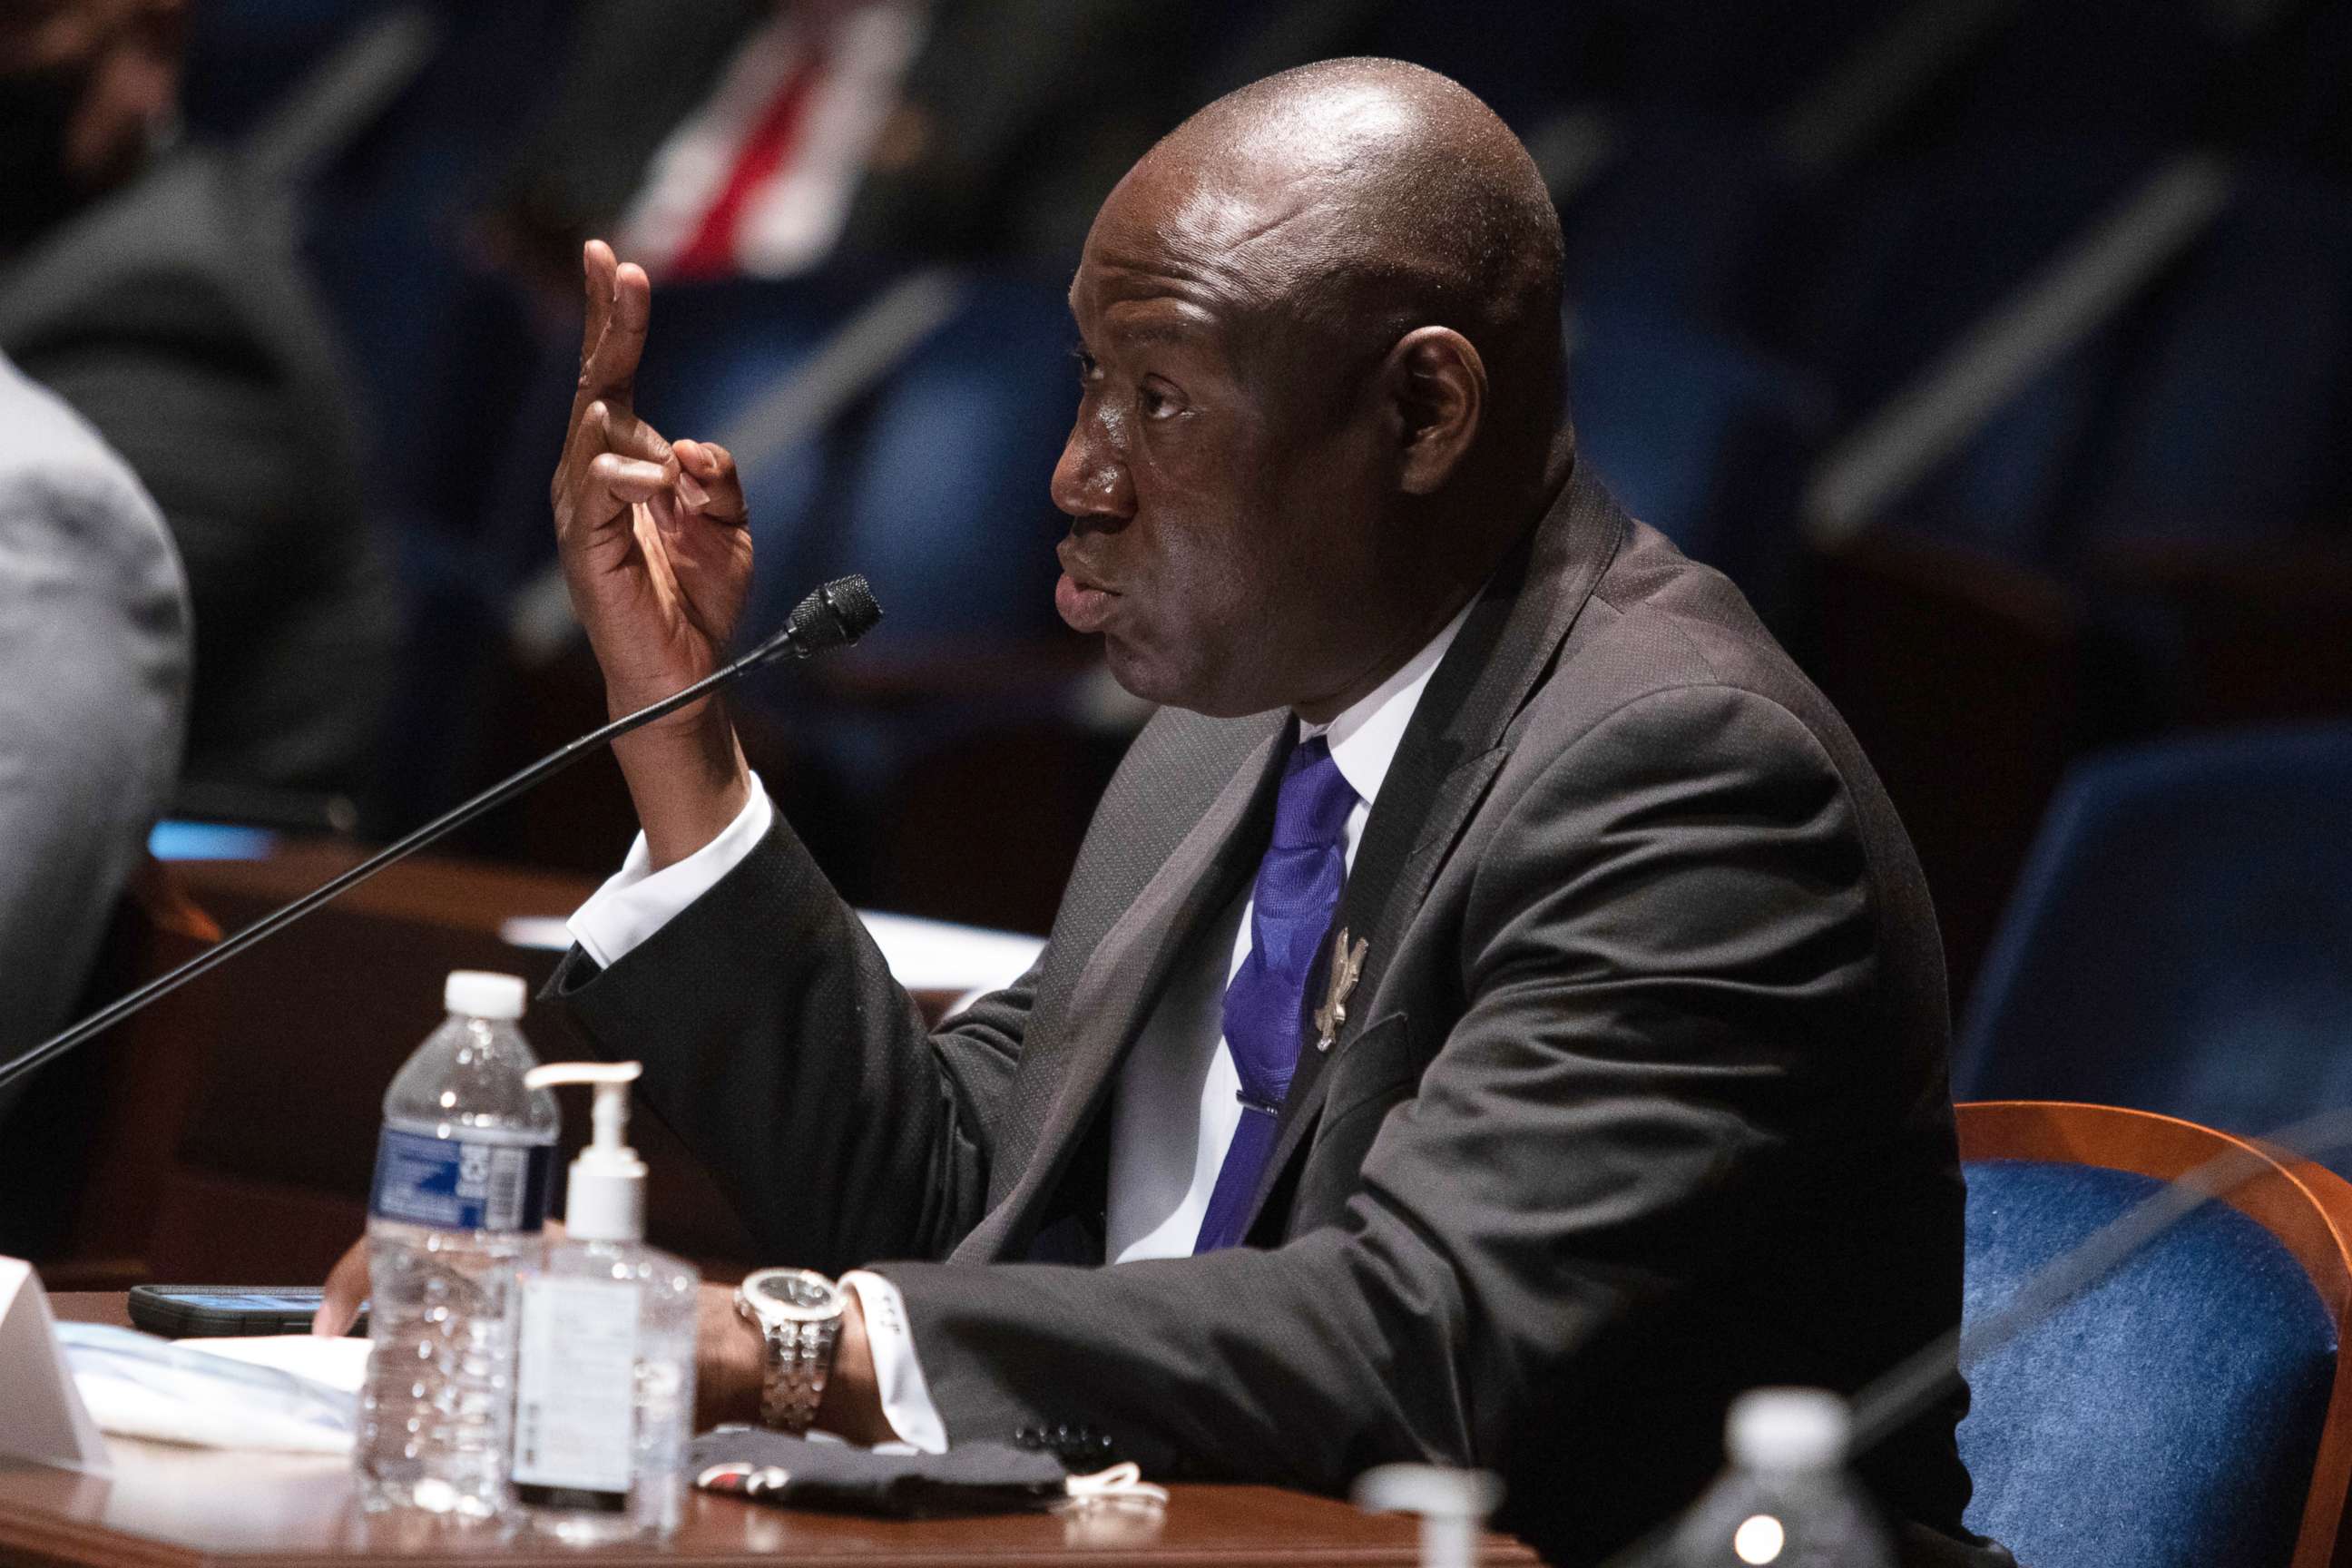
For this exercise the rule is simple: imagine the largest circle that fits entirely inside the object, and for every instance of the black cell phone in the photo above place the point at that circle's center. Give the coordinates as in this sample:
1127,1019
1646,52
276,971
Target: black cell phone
204,1311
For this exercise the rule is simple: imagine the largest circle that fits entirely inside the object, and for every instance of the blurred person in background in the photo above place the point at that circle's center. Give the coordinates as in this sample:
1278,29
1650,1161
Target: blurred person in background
93,692
158,294
782,131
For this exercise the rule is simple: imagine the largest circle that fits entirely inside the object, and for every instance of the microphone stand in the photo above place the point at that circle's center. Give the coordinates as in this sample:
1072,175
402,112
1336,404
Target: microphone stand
848,621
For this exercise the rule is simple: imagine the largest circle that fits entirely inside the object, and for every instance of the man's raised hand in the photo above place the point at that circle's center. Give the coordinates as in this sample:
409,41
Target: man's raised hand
658,563
651,532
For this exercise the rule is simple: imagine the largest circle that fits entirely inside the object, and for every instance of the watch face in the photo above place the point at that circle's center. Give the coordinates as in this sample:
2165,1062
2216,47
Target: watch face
793,1295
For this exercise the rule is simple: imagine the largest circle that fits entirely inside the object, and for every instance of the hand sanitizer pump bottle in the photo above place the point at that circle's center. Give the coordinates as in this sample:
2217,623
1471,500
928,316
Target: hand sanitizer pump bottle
605,1355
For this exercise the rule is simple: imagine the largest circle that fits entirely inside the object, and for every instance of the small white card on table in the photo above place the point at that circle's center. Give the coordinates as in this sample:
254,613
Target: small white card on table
42,1417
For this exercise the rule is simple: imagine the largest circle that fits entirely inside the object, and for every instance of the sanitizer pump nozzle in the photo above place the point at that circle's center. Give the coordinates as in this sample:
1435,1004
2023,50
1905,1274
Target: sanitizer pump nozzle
605,1196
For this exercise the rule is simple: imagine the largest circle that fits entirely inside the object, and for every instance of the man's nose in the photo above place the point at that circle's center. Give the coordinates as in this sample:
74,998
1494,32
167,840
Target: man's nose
1091,481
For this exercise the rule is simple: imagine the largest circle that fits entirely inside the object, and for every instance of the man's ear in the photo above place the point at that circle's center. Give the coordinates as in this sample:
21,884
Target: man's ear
1437,390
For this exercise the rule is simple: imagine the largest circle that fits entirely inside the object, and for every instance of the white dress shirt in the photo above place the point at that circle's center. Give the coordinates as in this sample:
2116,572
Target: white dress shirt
1181,1072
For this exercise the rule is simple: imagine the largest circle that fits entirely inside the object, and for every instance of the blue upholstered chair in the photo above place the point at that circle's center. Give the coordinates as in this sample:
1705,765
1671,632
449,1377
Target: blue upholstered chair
1696,435
2191,1408
932,481
2223,423
2181,938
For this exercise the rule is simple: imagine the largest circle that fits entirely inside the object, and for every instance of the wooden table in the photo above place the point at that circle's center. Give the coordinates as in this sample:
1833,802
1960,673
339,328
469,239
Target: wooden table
187,1508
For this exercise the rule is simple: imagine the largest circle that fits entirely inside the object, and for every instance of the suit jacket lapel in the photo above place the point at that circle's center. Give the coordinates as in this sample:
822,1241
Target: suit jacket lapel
1450,753
1117,987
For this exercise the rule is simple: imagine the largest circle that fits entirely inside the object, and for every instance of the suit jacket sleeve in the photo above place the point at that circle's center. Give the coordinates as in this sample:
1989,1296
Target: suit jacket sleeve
1661,932
839,1128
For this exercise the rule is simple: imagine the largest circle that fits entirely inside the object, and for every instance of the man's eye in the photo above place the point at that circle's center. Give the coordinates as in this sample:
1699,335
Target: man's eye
1155,403
1088,369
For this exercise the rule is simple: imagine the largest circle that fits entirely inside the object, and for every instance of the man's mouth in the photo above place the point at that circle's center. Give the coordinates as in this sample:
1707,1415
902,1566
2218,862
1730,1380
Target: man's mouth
1083,606
1080,596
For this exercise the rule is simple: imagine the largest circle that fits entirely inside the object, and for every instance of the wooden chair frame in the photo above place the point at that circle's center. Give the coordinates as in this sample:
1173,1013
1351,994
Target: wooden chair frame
2309,1209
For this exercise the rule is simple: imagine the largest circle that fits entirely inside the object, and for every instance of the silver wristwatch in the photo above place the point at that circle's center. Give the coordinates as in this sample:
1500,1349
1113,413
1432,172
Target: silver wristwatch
798,1314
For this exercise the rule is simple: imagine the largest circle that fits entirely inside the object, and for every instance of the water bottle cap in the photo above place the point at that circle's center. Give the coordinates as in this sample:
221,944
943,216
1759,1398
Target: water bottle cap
1786,1429
479,994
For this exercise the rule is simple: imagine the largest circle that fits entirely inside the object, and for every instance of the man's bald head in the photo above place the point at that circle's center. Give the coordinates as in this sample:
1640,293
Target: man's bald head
1350,201
1319,372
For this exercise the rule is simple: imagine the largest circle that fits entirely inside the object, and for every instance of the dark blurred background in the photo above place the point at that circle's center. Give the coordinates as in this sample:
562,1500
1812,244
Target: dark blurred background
1998,350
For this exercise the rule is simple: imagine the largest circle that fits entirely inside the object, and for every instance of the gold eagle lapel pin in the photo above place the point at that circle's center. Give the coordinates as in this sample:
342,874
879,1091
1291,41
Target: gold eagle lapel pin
1346,963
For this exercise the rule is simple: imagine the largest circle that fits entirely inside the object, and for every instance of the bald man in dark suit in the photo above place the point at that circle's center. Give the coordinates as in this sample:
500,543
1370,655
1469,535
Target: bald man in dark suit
1495,1015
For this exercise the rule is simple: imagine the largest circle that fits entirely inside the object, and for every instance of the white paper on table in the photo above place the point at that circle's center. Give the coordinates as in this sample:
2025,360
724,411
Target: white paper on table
940,956
42,1417
340,1363
923,955
137,1385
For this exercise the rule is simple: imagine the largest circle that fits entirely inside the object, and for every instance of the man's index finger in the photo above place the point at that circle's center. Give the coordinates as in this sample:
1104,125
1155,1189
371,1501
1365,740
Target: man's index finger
596,270
612,335
612,363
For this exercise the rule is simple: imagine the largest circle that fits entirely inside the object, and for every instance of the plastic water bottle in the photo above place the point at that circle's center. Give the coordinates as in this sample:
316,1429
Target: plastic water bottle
461,1183
1786,1500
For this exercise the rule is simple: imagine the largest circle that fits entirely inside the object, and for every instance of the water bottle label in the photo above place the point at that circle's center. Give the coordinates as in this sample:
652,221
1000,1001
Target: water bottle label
453,1183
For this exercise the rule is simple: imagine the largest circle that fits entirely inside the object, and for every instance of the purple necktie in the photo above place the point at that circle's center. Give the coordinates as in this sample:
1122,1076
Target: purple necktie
1297,894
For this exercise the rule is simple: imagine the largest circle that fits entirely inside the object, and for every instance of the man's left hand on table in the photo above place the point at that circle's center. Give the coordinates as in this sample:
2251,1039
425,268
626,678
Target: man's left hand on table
726,1354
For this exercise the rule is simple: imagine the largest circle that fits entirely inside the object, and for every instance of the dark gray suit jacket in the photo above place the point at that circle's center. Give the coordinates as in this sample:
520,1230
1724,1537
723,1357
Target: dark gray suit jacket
173,316
1641,1101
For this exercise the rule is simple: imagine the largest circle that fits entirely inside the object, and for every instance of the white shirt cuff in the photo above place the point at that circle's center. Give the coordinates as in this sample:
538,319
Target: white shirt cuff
898,1371
637,901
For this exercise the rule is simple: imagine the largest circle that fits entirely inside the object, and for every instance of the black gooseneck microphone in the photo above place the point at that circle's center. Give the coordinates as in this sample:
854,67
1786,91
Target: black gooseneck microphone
835,616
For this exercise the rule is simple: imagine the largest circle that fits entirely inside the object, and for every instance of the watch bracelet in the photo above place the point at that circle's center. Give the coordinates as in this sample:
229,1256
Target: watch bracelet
798,1364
